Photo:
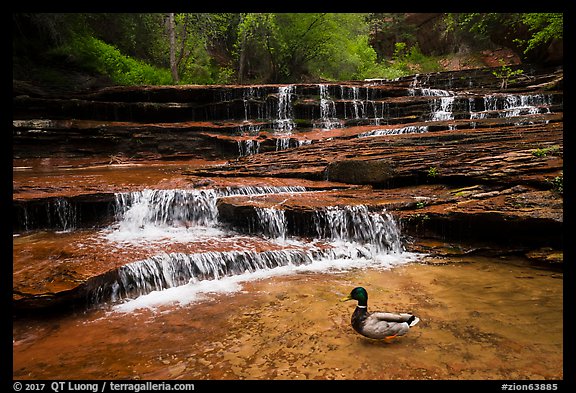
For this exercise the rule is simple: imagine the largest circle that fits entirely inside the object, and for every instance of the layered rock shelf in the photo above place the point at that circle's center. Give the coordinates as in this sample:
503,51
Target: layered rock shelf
447,156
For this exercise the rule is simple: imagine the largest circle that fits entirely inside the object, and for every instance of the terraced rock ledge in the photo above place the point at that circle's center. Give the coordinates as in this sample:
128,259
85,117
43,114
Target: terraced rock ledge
449,157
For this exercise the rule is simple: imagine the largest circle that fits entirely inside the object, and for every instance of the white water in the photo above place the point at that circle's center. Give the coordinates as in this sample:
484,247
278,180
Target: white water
285,117
442,109
247,147
510,105
205,289
282,143
175,215
328,118
347,237
272,221
376,230
395,131
355,104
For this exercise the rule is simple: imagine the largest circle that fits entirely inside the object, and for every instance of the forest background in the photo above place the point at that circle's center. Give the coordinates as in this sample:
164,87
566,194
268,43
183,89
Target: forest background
94,49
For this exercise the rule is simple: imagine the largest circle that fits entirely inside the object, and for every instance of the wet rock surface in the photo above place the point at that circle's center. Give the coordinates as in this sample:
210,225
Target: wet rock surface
466,171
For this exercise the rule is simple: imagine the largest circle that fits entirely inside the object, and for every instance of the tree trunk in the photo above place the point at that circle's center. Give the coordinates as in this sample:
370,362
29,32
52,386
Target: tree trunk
172,36
242,59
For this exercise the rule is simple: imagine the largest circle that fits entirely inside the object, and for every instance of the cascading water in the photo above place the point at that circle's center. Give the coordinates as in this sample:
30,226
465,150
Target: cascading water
175,269
135,210
66,213
358,224
282,143
328,118
510,105
395,131
357,103
249,95
59,213
272,222
285,117
247,147
349,233
442,109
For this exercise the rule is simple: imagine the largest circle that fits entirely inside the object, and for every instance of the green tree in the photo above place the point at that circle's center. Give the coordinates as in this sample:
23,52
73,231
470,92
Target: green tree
256,45
544,27
326,45
386,29
541,28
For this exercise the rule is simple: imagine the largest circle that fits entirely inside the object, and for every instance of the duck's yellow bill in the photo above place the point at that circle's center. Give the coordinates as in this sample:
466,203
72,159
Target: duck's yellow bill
346,298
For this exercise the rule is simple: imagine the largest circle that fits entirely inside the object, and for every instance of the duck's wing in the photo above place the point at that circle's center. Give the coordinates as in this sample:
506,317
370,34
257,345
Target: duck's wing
391,317
376,327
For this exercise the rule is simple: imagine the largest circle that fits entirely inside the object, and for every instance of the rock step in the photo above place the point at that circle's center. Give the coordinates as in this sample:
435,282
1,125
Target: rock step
507,154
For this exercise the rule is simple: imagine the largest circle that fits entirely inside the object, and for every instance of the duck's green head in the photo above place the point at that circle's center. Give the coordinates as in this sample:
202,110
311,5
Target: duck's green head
359,294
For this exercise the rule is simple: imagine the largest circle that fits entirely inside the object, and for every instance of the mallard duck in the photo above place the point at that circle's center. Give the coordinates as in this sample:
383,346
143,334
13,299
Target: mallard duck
379,325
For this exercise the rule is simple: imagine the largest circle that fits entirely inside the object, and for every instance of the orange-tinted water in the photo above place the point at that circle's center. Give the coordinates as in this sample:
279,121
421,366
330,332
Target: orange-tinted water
481,318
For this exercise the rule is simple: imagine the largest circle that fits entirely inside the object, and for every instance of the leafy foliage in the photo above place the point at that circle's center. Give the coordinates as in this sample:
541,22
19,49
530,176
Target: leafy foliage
542,27
505,74
557,184
252,47
106,59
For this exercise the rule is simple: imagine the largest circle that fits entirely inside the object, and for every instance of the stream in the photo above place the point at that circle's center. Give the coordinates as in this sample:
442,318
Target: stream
481,317
150,242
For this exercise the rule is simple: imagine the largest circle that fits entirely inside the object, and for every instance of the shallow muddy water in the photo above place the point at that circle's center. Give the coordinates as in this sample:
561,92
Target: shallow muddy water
481,318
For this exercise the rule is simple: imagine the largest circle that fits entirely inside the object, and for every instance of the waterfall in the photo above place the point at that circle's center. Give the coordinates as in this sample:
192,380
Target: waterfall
428,92
395,131
135,210
249,94
175,269
65,214
258,190
357,103
358,224
59,214
282,143
171,270
328,118
516,105
349,233
510,105
382,114
287,143
442,109
247,147
249,129
272,222
285,118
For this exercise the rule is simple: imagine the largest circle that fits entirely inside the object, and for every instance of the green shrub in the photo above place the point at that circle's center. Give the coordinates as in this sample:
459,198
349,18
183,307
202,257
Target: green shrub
405,61
557,184
505,74
433,172
98,56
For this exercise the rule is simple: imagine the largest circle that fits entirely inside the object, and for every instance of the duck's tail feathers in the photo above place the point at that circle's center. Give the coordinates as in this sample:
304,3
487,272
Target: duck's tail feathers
413,320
